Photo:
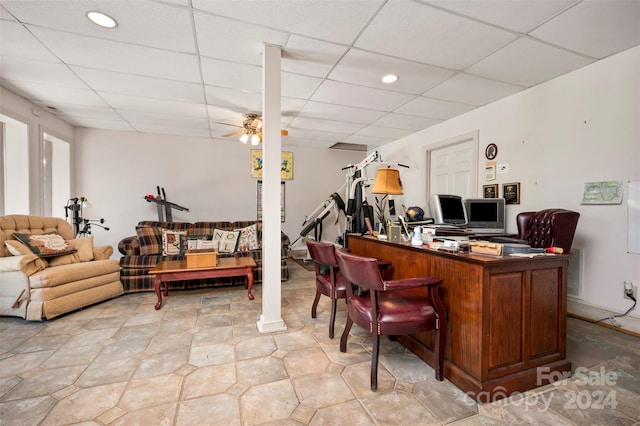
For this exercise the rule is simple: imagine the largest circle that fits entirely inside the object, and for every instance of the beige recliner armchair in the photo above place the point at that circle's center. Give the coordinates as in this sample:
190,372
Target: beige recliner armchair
33,289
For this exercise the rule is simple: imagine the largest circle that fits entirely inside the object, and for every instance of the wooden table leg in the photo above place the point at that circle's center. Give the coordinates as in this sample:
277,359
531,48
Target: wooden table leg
250,282
157,283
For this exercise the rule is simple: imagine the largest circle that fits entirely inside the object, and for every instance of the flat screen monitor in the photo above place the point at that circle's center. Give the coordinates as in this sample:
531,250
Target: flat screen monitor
448,210
485,215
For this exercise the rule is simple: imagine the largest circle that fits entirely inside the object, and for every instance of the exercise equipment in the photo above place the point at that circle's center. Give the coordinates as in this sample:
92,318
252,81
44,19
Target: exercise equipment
164,206
350,216
81,225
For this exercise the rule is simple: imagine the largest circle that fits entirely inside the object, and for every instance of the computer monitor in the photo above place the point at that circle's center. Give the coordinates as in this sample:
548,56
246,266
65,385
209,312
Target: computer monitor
485,215
448,209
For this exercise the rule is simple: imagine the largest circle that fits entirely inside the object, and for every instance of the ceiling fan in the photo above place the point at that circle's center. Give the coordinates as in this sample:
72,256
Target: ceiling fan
251,129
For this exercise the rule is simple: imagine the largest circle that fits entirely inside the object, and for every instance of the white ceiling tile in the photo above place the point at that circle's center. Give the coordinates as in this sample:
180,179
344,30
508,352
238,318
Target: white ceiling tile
159,106
324,125
138,117
299,86
15,40
312,57
339,113
232,75
235,41
150,87
307,133
92,123
168,130
433,108
425,34
595,27
528,62
89,112
359,96
384,132
521,15
470,89
120,57
366,69
28,70
234,99
333,20
52,95
367,140
5,15
408,122
139,22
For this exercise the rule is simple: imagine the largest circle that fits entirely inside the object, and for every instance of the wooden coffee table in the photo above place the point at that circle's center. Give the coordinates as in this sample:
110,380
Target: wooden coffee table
176,270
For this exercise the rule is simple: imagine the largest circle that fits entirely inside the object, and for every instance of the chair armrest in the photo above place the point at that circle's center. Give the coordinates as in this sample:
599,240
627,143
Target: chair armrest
102,252
28,264
407,283
129,246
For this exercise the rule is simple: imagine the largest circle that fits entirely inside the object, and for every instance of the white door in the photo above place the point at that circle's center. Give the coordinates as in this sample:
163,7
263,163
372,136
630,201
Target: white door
453,167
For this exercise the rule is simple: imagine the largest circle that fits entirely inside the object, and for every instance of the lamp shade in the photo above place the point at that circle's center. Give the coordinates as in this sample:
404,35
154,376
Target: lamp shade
387,182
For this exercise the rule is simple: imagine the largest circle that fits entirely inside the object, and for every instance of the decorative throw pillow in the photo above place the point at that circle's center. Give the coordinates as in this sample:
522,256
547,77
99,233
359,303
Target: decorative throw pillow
173,242
227,240
45,245
248,239
150,239
194,240
84,252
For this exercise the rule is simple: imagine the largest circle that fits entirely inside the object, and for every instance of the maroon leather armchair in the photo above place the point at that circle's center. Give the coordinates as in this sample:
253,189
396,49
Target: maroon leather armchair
548,228
329,280
391,308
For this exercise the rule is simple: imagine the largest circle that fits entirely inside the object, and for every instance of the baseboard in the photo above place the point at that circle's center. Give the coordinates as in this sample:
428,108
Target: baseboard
627,324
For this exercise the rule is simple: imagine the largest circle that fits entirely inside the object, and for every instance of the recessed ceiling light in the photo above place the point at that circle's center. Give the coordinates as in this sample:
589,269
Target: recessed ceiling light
102,19
389,78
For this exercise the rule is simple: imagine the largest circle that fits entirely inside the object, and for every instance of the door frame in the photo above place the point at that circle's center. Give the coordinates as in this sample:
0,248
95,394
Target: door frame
473,136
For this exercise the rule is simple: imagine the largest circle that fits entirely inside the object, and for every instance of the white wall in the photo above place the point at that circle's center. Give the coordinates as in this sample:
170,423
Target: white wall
115,170
581,127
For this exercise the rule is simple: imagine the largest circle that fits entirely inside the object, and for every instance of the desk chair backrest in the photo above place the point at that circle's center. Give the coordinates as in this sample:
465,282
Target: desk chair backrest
548,228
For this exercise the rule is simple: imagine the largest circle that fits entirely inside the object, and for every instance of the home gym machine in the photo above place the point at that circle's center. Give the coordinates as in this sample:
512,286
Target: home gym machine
81,225
356,208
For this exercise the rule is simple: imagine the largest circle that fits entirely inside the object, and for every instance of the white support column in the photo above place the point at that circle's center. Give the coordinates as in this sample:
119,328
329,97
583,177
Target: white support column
271,318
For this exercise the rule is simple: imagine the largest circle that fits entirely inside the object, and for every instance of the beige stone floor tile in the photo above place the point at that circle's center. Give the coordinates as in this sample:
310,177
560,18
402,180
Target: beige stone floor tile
322,389
85,404
45,383
397,408
255,347
159,415
150,391
216,354
210,380
268,402
29,411
256,371
221,409
347,413
101,373
306,361
162,363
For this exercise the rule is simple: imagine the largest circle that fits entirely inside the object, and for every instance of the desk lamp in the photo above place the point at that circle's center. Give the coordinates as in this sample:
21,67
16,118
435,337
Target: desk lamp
387,183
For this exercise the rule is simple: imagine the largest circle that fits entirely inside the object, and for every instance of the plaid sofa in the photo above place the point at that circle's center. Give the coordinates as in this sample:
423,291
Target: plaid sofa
134,266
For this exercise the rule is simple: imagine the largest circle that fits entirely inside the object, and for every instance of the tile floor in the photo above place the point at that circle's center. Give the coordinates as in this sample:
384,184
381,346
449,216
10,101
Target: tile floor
200,361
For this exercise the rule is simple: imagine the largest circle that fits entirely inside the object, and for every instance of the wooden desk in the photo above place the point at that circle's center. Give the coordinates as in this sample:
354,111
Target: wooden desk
176,270
506,315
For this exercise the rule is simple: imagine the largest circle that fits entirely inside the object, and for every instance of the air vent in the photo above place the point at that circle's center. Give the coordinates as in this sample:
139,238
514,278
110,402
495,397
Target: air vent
349,147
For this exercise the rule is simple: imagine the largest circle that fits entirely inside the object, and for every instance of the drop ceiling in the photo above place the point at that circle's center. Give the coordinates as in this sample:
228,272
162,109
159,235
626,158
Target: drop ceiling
193,67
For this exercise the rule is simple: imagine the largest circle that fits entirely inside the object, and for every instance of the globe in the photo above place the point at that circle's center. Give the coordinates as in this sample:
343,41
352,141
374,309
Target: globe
415,213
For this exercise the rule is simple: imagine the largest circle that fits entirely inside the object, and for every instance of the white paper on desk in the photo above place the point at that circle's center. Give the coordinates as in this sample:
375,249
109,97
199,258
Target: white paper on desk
528,254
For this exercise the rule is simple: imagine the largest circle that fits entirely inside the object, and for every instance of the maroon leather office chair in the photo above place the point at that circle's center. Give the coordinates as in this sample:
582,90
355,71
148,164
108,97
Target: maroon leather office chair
548,228
391,308
329,280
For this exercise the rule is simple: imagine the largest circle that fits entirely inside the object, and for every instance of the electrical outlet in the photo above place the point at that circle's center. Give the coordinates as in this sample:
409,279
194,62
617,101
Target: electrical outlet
634,290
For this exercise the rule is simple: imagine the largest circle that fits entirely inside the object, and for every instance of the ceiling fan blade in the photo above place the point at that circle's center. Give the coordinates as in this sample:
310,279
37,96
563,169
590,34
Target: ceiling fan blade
237,132
284,132
228,124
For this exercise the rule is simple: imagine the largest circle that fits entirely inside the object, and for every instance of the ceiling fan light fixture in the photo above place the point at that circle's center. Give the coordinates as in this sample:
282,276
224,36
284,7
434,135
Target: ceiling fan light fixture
255,139
244,138
389,78
101,19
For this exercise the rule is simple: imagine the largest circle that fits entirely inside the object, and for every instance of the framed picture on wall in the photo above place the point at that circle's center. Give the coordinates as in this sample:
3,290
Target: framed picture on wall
286,164
511,193
490,191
